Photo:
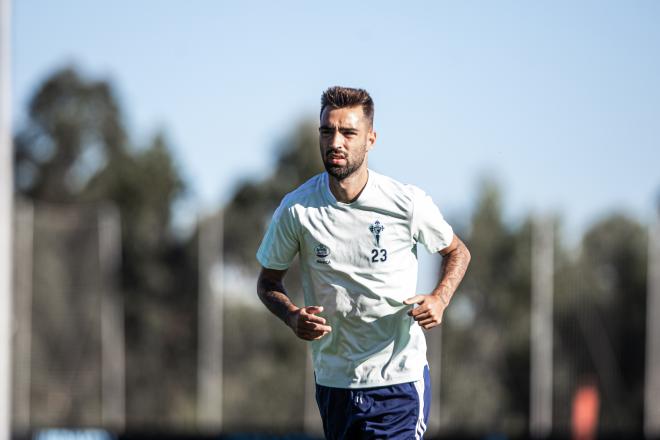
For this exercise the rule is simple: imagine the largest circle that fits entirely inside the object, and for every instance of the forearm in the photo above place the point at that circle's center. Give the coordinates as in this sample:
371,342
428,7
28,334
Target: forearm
454,265
275,298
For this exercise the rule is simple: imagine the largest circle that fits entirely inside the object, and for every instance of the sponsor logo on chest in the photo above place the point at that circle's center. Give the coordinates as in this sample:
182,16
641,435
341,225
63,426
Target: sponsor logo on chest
378,254
322,252
376,229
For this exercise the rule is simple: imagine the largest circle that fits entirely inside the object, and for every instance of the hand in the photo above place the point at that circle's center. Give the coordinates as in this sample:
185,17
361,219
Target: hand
430,310
306,325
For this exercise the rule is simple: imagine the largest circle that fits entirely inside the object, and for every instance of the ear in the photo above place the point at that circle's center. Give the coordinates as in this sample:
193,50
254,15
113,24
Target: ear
371,139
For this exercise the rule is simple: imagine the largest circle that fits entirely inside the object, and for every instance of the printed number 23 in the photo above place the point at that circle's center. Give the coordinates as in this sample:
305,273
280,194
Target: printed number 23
374,255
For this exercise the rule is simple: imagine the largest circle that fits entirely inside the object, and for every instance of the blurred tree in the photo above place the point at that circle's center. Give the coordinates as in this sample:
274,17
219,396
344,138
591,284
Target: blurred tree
159,282
486,386
275,365
74,149
74,126
264,360
144,185
248,213
601,322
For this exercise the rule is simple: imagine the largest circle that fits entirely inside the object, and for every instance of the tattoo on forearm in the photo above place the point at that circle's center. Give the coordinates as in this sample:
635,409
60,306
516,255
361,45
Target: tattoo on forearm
453,268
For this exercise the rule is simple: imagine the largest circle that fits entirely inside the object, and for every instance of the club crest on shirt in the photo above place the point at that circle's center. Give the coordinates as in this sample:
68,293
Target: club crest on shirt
376,229
322,253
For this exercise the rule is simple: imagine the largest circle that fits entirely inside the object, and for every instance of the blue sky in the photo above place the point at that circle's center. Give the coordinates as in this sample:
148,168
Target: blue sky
558,100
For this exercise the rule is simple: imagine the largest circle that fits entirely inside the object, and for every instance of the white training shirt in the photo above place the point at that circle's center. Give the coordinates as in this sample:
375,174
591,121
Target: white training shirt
359,261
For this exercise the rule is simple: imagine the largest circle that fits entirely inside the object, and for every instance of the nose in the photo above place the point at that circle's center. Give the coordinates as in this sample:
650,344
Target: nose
336,140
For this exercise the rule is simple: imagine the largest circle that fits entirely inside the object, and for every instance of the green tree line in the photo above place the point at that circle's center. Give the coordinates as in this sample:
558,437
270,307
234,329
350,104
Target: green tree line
74,148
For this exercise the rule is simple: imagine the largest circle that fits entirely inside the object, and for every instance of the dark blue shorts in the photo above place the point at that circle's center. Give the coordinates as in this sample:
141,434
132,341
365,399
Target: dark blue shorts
392,412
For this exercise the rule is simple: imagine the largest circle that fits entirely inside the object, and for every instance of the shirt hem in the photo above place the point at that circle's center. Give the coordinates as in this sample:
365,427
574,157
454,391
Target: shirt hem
328,382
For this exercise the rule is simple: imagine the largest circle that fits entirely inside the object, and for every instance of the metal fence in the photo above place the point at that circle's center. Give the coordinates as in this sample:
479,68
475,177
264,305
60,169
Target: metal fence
69,367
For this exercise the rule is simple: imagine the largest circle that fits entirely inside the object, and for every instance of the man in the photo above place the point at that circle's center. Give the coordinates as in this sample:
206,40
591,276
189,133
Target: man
357,232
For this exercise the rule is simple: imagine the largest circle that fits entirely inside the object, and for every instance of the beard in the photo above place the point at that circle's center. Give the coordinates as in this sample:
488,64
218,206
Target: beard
340,172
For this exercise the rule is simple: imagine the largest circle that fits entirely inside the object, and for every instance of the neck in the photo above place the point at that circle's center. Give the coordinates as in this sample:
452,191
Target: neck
350,188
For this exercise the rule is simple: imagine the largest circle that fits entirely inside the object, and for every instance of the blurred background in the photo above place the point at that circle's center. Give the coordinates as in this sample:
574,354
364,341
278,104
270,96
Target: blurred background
153,140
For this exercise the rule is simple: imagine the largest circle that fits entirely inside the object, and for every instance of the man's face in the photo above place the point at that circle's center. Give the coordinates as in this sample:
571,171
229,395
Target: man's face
345,137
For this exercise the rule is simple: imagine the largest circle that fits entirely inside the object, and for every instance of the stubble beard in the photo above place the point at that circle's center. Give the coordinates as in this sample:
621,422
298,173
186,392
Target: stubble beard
342,172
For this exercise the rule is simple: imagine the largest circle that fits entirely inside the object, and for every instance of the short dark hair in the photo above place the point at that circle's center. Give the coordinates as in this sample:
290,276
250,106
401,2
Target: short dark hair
342,97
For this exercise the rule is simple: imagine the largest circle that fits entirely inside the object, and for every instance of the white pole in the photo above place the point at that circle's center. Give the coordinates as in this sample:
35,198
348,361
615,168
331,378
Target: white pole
23,273
209,370
6,219
434,342
312,423
113,365
541,322
652,386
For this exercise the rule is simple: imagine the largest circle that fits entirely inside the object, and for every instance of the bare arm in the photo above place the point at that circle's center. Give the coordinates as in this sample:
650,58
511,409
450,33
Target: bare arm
455,260
270,288
302,320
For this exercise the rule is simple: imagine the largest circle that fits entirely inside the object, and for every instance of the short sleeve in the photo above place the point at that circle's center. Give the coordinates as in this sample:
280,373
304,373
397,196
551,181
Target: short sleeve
428,225
280,244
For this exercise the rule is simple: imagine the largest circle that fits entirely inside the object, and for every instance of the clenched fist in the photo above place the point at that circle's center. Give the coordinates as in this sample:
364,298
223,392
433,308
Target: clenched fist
307,325
430,310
